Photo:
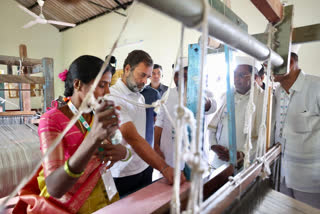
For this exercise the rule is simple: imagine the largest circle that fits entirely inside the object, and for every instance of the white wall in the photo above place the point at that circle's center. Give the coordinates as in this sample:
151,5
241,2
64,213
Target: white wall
160,35
41,40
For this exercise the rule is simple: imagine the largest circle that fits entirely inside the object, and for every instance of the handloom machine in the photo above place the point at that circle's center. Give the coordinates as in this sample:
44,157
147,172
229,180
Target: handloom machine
251,190
219,193
19,141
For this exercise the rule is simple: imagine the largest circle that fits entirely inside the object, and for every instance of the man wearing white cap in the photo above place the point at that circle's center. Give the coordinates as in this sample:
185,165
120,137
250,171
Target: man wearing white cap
219,124
298,131
165,133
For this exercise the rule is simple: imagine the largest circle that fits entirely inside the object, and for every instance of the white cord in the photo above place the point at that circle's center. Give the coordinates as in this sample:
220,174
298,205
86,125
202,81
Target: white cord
2,100
251,108
261,144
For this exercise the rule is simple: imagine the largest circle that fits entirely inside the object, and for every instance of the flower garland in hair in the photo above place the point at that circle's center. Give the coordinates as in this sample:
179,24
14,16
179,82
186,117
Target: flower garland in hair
63,75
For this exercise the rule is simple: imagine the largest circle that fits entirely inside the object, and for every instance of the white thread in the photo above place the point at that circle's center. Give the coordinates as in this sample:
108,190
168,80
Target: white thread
2,100
261,144
251,108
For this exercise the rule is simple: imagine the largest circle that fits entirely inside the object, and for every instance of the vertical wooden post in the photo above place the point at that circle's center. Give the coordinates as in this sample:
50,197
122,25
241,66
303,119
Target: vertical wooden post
47,65
26,95
269,118
2,94
231,111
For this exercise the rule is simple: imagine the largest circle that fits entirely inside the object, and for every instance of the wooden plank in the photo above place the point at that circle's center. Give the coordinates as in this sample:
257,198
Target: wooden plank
269,118
156,197
310,33
146,200
26,94
284,37
12,60
9,69
2,95
271,9
21,79
47,65
218,178
16,113
227,12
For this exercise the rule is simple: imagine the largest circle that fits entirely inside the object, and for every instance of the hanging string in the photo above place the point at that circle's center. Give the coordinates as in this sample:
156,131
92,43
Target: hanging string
195,198
251,108
261,148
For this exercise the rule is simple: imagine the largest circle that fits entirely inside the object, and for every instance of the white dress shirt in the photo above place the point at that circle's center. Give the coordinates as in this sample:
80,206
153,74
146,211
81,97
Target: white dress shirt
136,115
168,132
298,130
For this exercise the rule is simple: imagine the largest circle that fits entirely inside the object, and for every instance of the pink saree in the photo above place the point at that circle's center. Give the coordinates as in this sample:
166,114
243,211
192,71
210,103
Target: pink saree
51,124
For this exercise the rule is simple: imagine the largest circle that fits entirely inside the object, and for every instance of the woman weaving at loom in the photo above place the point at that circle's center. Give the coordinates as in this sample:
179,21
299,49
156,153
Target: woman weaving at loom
70,181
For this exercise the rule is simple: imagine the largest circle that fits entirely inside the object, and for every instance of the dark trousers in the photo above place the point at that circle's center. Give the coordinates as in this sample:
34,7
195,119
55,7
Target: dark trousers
129,184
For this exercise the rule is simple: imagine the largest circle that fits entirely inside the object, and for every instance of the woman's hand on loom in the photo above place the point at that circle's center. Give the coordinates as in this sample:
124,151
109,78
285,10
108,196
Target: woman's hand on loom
106,122
110,152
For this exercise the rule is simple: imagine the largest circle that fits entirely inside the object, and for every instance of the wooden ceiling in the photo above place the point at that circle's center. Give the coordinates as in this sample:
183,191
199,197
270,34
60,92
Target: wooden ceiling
76,11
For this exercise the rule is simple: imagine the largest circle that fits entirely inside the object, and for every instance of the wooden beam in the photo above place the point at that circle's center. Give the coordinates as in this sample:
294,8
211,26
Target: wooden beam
26,94
47,65
156,197
283,36
271,9
9,69
12,60
310,33
21,79
17,113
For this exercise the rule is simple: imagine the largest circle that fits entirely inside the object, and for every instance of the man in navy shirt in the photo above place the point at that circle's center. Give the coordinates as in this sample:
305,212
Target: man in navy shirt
150,95
156,79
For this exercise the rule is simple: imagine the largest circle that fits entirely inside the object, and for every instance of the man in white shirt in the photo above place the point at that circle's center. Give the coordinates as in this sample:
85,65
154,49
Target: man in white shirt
298,131
134,174
165,133
219,124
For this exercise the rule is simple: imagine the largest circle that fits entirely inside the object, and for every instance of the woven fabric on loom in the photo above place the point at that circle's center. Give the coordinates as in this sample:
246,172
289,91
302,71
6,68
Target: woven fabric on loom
19,153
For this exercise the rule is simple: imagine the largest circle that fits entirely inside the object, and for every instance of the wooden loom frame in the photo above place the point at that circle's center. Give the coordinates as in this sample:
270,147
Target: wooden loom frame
44,65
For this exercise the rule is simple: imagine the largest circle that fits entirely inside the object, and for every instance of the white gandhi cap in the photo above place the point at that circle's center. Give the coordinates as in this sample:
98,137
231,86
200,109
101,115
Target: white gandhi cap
248,60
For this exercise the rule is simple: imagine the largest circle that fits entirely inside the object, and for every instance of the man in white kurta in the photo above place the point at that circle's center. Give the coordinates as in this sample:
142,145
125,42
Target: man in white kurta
219,124
165,133
298,131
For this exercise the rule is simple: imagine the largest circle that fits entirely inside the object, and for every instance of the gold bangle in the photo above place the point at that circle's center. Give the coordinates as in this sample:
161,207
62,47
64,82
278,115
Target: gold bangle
130,154
71,174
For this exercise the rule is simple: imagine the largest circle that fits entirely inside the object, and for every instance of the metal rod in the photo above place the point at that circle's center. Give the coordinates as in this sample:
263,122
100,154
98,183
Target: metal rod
190,13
